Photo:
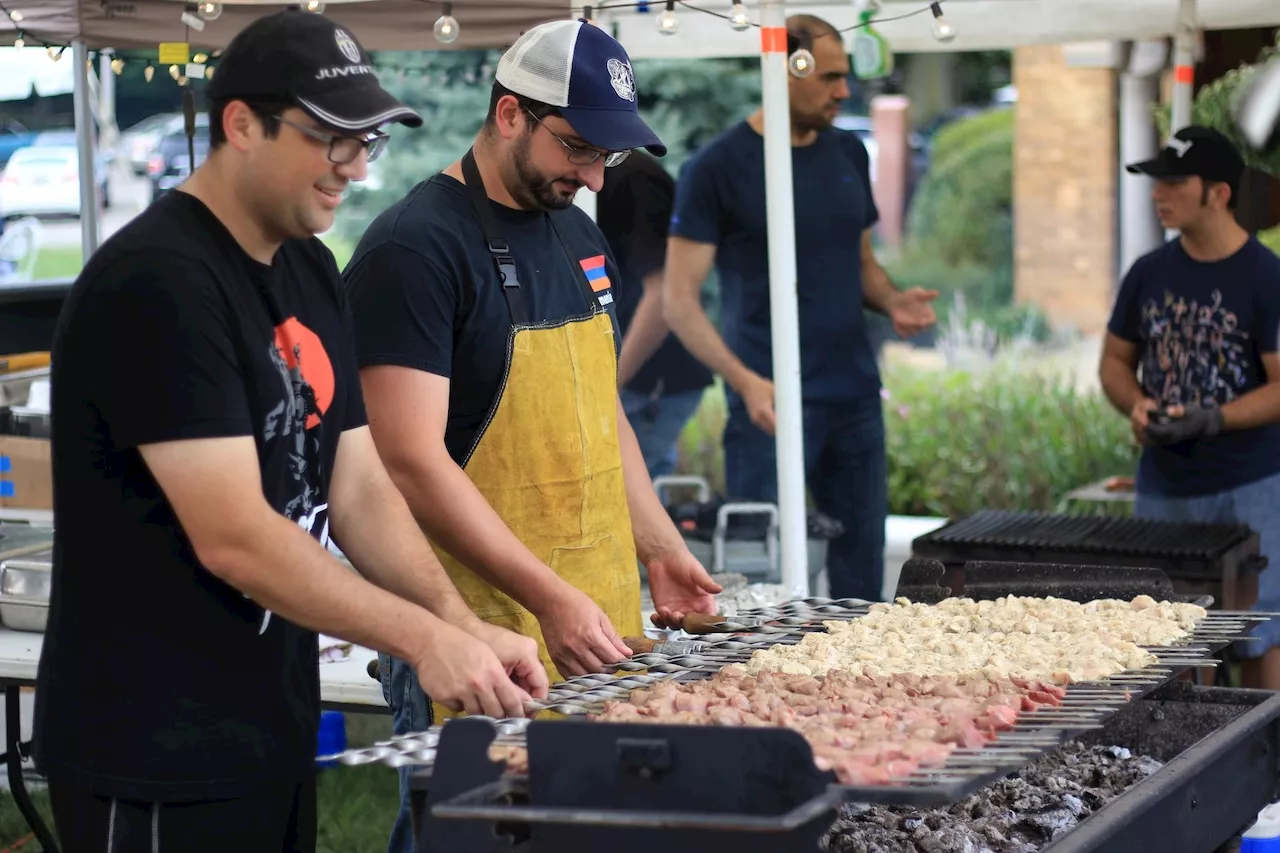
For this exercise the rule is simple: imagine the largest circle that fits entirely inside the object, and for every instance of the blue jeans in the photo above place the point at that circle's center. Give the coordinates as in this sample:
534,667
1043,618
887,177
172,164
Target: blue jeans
658,423
847,475
1256,504
410,712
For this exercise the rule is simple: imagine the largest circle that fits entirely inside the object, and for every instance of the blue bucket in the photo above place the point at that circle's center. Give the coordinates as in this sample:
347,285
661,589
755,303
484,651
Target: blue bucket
332,737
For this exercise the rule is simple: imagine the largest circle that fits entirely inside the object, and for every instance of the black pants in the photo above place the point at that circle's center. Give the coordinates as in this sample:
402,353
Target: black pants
281,819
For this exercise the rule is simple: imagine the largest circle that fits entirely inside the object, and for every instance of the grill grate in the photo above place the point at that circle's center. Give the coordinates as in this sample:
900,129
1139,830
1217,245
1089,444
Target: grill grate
1099,534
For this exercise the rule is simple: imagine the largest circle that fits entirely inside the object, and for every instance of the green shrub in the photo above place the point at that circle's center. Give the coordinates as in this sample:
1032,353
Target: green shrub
959,442
1271,239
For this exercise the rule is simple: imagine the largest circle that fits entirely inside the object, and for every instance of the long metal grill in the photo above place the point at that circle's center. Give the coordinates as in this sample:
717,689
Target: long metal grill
1086,706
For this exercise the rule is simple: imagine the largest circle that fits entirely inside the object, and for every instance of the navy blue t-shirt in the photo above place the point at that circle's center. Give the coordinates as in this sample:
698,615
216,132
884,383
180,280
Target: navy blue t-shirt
425,294
720,199
1202,329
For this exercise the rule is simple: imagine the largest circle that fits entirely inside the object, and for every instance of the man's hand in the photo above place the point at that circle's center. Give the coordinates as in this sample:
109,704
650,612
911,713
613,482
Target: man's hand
679,585
517,653
757,396
462,673
911,312
579,636
1140,418
1185,424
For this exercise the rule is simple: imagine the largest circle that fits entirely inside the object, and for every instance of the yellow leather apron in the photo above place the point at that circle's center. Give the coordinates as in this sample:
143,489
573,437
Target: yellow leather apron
547,458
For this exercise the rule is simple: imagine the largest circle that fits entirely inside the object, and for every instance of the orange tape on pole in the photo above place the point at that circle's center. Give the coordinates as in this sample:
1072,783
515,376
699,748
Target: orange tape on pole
773,39
1184,74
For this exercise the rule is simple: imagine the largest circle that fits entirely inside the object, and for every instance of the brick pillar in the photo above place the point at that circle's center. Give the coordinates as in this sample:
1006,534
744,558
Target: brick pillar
891,123
1065,180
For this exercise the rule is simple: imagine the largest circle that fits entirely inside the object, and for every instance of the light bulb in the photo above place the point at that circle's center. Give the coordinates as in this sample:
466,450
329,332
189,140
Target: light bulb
208,72
800,63
668,23
316,6
200,58
19,43
148,72
15,16
446,28
182,79
738,17
942,29
53,52
117,65
208,11
173,72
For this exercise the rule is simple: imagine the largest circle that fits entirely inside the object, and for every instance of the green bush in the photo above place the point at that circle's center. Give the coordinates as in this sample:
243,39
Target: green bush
1271,239
959,442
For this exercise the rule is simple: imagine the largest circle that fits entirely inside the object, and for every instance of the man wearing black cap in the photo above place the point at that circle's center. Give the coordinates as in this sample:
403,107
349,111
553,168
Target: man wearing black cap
1191,358
487,335
210,434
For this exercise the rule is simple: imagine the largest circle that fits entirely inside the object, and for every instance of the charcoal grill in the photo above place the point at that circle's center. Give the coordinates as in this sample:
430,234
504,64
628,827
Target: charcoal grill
1221,560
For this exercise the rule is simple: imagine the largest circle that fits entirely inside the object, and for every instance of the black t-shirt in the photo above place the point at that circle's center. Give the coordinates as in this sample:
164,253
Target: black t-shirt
633,210
158,681
1201,329
425,293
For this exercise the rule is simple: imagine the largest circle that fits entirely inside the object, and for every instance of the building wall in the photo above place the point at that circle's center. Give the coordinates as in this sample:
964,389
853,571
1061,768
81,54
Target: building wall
1065,180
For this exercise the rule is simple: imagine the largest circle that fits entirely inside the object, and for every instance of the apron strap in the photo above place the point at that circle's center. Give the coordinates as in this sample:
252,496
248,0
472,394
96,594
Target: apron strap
498,247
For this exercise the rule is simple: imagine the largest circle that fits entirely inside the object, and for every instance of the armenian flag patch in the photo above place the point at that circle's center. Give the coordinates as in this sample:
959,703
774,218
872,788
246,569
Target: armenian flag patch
594,269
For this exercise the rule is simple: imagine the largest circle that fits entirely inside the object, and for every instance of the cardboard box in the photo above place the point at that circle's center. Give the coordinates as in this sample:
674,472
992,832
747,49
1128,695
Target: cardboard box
26,473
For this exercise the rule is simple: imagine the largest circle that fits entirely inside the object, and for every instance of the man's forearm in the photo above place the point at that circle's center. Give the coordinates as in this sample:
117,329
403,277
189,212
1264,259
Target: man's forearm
448,506
1258,408
282,568
1120,385
654,532
878,290
379,536
646,332
689,321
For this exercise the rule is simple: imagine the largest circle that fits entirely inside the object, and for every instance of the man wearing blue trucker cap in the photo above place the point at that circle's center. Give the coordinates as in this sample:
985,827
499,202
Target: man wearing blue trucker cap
488,341
210,434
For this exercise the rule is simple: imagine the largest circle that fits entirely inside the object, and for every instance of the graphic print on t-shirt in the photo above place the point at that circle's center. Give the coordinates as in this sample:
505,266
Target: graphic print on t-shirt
1195,352
599,279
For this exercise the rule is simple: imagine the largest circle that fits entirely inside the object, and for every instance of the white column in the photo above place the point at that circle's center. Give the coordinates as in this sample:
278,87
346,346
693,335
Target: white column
86,150
784,311
1140,230
1184,65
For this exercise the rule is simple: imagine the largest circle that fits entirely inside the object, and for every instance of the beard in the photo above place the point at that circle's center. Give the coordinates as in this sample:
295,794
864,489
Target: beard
530,188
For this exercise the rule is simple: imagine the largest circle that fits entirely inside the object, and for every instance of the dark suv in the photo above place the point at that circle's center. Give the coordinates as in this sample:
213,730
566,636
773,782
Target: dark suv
168,165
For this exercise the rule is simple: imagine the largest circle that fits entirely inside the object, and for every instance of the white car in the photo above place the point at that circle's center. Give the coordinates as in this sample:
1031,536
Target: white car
41,180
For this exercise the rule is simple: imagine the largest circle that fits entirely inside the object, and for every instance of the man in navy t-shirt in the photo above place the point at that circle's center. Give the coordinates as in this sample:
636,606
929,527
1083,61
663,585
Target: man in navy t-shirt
1191,358
720,219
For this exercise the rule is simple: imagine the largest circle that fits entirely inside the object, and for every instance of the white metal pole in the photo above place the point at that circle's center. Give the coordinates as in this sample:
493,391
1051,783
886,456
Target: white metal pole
86,151
1184,65
783,309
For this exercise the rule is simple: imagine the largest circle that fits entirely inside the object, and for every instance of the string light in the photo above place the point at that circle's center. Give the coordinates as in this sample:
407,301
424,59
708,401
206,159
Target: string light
315,6
148,72
209,11
942,29
19,43
446,27
668,23
738,17
55,53
801,63
117,65
173,72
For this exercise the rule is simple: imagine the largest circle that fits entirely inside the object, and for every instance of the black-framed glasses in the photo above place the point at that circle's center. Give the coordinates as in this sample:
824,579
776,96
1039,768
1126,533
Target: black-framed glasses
343,149
583,156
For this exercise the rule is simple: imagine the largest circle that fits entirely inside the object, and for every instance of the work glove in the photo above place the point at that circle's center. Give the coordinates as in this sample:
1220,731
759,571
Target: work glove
1196,422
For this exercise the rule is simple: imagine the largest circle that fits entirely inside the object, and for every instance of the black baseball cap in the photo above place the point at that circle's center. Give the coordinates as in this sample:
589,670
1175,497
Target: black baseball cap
310,61
1195,151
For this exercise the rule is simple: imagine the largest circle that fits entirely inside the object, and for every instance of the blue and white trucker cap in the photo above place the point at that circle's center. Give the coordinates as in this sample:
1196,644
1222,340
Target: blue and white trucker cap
585,74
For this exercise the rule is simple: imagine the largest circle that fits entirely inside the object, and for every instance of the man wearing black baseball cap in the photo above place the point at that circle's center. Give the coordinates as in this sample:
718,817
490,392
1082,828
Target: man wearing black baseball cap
1192,357
211,436
487,335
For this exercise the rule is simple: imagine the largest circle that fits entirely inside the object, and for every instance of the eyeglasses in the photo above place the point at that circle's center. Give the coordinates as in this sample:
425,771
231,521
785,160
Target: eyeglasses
583,156
343,149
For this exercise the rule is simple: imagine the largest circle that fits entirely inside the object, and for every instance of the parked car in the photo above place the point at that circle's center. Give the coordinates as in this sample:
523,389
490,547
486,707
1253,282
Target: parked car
139,142
13,136
42,180
170,164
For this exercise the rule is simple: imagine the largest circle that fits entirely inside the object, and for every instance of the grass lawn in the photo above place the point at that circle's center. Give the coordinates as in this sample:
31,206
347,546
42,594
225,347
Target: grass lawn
356,804
64,262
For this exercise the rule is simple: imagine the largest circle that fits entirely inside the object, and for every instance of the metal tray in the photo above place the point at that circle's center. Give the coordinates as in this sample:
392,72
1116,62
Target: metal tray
26,582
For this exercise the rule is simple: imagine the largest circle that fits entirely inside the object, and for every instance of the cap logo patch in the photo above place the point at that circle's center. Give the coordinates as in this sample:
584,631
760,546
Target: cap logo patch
1180,146
347,45
622,79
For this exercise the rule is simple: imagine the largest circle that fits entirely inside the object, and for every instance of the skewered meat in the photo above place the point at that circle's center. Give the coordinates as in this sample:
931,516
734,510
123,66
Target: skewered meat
867,730
1046,639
